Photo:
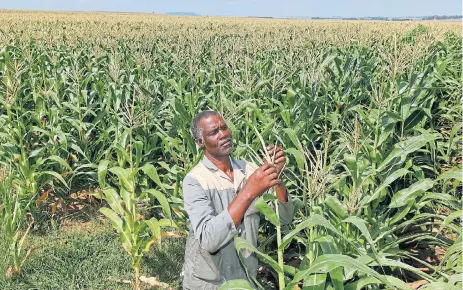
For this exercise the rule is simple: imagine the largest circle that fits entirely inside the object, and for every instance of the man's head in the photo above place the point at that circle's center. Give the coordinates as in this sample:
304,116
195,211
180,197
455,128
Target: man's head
212,134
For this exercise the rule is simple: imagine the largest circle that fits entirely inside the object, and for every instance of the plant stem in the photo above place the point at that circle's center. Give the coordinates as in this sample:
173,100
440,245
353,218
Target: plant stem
281,274
136,286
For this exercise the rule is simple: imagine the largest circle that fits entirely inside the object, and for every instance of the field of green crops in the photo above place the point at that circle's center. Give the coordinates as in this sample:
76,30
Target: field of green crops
95,109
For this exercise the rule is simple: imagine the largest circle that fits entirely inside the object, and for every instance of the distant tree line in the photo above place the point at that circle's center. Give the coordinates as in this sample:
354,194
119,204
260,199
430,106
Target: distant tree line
441,17
382,18
377,18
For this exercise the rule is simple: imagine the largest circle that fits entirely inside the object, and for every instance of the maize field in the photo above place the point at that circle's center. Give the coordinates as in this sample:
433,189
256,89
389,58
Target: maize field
368,113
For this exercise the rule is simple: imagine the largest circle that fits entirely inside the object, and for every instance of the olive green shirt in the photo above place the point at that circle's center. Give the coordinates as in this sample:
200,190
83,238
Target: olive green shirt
210,255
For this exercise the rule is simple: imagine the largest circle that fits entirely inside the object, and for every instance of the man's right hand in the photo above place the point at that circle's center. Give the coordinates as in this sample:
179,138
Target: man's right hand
264,178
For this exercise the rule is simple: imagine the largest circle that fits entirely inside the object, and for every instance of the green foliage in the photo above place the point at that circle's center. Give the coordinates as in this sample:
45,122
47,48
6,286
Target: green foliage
370,120
15,203
136,233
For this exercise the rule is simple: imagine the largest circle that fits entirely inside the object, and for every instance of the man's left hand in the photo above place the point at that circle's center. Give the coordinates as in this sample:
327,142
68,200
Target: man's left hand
279,157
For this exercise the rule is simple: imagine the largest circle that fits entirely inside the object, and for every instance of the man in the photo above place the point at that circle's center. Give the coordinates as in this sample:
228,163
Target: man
219,196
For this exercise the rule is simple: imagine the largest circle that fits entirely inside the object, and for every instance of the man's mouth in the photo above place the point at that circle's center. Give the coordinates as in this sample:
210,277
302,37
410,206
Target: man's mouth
226,143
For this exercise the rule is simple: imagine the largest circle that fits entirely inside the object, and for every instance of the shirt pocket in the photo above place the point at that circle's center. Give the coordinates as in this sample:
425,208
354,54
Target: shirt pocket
207,265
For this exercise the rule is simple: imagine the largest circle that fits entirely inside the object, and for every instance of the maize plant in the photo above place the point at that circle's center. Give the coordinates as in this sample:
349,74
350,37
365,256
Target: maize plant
136,232
14,207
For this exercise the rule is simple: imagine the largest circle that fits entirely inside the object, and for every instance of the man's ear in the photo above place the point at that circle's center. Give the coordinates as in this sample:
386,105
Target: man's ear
200,143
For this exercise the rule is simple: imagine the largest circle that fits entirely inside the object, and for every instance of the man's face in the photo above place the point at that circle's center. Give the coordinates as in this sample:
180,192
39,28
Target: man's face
217,137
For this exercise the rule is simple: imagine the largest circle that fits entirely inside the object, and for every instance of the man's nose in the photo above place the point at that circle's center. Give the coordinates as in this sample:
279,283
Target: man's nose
223,133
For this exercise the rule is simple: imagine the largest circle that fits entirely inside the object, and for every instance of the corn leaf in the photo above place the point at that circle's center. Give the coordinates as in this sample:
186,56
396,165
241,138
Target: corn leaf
402,197
267,211
315,220
162,201
327,263
236,285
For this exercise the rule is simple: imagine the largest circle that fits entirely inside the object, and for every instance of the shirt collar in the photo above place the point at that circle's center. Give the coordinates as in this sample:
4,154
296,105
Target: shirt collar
208,163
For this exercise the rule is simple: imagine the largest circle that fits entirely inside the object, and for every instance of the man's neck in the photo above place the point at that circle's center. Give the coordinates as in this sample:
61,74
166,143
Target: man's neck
222,162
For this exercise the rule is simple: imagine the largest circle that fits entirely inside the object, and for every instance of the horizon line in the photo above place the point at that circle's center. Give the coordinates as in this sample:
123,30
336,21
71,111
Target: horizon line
180,13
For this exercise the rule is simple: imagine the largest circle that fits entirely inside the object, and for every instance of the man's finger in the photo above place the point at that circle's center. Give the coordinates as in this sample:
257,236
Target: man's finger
279,154
273,176
275,182
266,166
273,149
270,169
279,160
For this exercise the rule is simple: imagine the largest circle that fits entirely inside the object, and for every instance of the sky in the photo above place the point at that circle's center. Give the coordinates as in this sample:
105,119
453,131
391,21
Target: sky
271,8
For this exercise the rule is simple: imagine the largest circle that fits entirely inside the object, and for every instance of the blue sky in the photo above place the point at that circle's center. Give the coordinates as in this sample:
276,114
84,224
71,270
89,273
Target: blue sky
274,8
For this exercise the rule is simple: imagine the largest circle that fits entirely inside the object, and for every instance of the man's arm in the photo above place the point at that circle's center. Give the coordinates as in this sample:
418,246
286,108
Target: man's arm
281,192
240,204
285,205
211,229
261,180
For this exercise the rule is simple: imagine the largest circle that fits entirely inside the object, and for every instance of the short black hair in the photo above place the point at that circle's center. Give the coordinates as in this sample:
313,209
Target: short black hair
196,130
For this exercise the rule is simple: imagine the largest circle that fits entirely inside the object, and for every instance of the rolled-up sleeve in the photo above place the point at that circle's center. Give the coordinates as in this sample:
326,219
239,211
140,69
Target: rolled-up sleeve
286,211
213,230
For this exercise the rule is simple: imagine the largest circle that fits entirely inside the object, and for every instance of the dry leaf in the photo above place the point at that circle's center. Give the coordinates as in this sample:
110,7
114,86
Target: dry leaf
29,252
75,206
117,280
417,284
53,208
170,234
10,272
153,281
44,195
